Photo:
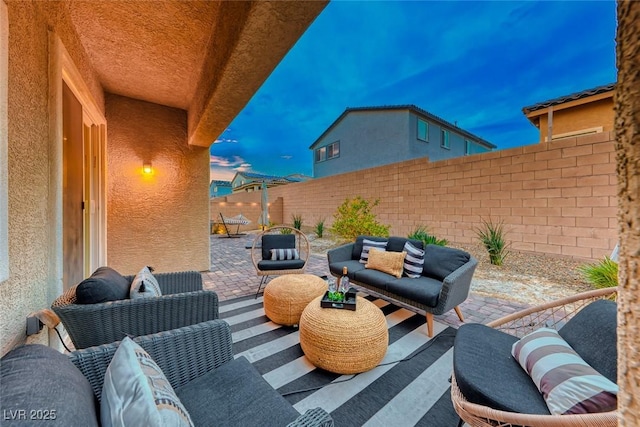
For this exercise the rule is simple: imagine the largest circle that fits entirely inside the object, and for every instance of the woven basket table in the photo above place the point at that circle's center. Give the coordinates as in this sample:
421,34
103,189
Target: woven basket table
286,296
344,341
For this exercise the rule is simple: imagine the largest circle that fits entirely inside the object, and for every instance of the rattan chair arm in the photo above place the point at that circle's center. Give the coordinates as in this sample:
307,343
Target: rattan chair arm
483,416
456,287
316,417
583,297
183,354
95,324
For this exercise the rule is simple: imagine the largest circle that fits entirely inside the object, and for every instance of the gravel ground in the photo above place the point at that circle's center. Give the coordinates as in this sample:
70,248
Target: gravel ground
524,277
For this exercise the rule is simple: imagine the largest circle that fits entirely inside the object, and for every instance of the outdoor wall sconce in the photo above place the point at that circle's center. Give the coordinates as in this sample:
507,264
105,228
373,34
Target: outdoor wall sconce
147,169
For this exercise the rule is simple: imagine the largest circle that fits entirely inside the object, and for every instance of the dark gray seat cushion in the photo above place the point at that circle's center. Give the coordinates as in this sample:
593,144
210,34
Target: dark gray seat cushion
440,261
235,394
105,284
276,241
374,278
40,379
423,290
593,335
488,375
352,267
285,264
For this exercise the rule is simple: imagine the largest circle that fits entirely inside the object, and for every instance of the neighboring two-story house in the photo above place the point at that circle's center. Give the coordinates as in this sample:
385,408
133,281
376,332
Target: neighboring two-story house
366,137
219,188
250,181
580,113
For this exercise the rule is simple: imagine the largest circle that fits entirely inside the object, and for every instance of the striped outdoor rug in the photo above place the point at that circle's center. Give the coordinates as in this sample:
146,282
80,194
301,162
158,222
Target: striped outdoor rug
412,392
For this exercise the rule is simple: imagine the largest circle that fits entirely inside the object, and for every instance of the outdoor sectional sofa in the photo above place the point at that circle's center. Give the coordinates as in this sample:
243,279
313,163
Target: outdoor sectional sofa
39,385
443,284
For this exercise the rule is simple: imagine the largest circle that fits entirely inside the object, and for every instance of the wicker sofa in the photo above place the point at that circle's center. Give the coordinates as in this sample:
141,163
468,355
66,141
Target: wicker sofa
490,388
443,285
183,302
41,385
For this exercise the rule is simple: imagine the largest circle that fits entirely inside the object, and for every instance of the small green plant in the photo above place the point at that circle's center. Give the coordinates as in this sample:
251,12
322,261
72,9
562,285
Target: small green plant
335,296
354,218
492,236
297,221
319,228
601,275
421,233
286,231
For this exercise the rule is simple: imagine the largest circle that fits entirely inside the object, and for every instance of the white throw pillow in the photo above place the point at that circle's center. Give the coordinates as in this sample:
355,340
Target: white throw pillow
144,285
414,261
284,254
367,245
136,392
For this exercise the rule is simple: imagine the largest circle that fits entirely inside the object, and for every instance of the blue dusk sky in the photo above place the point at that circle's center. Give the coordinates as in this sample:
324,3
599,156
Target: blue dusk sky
476,63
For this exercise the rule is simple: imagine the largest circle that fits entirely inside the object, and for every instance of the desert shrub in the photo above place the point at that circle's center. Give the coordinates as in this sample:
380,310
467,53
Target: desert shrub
286,231
354,218
297,221
492,236
603,274
422,233
319,228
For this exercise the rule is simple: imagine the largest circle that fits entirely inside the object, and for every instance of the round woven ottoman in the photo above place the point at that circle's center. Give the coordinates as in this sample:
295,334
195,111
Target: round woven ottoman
344,341
286,296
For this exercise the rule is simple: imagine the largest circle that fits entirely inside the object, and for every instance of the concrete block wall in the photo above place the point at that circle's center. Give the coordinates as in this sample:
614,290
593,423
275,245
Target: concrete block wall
557,198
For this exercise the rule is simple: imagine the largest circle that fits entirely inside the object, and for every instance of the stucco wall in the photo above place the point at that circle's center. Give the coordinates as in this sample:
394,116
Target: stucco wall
31,203
160,220
555,198
593,114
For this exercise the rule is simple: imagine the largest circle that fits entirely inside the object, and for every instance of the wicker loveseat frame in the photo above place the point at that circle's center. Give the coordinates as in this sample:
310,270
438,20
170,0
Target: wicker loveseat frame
183,302
553,314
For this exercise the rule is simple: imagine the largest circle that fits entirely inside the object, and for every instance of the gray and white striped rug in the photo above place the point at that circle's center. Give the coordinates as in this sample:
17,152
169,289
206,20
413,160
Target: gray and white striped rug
415,391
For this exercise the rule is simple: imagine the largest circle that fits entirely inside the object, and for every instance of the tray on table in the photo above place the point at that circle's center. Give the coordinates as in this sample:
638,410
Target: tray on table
349,302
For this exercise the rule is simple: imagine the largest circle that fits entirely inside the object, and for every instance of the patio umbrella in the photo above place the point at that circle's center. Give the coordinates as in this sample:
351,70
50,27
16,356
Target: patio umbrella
264,205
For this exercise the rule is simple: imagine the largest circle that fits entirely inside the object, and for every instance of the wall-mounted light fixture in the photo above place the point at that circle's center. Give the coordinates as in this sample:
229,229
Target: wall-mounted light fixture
147,169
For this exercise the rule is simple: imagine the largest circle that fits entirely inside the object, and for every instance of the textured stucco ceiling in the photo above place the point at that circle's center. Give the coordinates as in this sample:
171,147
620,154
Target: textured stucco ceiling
206,57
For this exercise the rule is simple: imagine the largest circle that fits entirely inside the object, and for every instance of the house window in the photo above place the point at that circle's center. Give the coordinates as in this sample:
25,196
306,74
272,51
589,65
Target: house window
333,150
467,147
445,139
423,130
321,154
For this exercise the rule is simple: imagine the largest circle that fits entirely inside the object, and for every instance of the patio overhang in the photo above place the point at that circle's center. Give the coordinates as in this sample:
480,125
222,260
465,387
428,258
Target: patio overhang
205,57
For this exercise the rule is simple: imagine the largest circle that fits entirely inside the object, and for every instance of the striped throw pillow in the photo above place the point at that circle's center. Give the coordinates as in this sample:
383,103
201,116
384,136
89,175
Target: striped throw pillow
367,245
144,285
568,384
284,254
414,261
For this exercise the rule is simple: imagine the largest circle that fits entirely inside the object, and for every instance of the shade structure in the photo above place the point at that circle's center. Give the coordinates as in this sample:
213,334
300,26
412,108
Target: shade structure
264,205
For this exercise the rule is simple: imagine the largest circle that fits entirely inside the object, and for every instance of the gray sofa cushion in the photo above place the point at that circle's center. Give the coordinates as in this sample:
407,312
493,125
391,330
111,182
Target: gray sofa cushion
357,246
396,244
487,374
105,284
276,241
423,290
373,278
353,266
40,379
285,264
235,394
440,261
592,334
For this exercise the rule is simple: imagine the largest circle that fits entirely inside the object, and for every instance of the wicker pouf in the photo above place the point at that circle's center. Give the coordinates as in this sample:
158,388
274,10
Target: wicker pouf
286,296
344,341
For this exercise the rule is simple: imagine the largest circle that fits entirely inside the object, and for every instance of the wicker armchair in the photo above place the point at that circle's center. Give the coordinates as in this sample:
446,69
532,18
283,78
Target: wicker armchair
553,315
188,354
183,302
279,237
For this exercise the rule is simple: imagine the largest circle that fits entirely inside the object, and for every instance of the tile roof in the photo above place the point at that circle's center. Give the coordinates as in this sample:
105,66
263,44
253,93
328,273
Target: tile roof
413,108
218,183
571,97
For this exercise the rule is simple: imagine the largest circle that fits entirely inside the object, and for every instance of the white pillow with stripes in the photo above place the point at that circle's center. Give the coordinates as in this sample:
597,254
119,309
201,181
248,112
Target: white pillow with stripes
367,245
568,384
413,261
284,254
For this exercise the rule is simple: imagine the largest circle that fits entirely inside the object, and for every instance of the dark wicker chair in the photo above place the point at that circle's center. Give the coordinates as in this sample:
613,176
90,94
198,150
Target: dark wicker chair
183,302
186,355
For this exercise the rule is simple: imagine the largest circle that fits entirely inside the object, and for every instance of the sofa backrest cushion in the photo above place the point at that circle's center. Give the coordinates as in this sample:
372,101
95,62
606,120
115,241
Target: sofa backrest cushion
357,247
41,386
105,284
440,261
592,334
276,241
396,244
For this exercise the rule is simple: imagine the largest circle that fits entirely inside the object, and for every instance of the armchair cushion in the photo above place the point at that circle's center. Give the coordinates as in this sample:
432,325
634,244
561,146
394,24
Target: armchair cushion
105,284
136,392
387,262
276,241
144,285
440,261
287,264
235,394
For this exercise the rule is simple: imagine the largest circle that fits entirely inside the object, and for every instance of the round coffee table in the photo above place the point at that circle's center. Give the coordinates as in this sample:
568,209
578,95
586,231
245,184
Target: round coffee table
286,296
344,341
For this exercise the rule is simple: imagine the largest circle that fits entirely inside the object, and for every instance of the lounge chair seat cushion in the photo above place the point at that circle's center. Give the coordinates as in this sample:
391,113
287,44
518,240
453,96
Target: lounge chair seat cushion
276,241
487,374
285,264
235,394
